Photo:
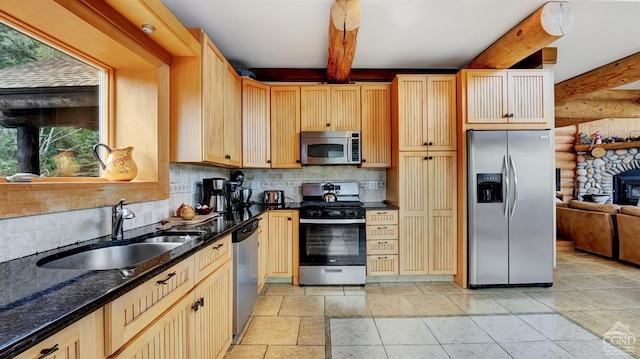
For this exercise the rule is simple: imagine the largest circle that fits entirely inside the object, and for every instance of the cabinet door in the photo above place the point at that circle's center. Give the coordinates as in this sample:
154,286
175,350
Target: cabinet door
213,92
256,134
487,96
376,126
232,134
441,215
281,246
212,317
285,127
167,338
128,314
413,231
411,106
314,103
82,339
441,112
529,97
345,108
263,250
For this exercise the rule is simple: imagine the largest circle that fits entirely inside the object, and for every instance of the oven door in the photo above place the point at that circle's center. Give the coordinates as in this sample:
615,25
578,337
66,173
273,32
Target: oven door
332,242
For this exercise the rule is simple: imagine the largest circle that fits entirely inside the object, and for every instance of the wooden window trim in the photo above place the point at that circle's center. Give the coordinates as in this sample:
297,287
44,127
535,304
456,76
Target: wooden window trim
137,112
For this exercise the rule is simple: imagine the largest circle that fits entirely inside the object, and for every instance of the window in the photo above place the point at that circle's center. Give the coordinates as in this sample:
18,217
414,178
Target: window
49,109
135,109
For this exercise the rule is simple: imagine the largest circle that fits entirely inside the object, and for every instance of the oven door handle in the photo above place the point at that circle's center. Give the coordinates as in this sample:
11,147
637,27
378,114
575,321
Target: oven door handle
331,221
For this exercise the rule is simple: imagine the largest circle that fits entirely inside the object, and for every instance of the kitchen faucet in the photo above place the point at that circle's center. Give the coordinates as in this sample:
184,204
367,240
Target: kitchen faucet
118,216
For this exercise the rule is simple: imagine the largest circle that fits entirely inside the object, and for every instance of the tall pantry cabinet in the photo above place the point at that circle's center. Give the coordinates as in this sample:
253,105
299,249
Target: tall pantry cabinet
422,179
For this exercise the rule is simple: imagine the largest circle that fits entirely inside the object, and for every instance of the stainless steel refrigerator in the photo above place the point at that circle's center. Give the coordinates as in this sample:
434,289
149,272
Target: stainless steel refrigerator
510,207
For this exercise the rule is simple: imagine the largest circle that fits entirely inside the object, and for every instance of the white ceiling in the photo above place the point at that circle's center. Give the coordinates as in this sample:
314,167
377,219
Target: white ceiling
428,34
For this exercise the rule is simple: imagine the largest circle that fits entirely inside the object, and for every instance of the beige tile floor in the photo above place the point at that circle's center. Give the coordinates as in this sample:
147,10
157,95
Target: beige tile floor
414,320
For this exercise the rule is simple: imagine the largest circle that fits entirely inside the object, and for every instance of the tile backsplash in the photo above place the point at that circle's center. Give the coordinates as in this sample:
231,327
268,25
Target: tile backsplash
24,236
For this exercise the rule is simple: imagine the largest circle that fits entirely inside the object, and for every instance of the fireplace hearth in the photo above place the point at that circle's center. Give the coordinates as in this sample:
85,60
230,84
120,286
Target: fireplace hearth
602,175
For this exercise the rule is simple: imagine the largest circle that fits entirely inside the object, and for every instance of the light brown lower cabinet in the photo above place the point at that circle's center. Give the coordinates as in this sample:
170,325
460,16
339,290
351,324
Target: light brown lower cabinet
82,339
382,242
263,250
283,244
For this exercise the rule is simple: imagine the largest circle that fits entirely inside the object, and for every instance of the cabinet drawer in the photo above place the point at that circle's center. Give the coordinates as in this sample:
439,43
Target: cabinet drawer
382,217
382,232
127,315
383,246
213,256
382,265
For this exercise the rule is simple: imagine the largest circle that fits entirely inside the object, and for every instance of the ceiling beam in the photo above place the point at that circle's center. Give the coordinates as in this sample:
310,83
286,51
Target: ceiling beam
344,23
544,56
547,24
563,121
614,74
633,95
598,109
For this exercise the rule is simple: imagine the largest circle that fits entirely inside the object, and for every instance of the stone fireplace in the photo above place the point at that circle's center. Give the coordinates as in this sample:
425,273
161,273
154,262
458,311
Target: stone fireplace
599,175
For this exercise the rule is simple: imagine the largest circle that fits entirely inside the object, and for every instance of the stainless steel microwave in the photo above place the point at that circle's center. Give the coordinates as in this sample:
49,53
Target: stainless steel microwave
330,147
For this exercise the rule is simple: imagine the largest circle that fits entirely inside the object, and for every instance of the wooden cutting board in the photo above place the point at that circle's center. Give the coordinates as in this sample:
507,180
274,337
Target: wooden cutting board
177,221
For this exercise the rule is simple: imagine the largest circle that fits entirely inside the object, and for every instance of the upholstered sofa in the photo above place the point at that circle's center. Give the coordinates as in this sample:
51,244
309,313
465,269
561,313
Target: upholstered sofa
629,234
591,226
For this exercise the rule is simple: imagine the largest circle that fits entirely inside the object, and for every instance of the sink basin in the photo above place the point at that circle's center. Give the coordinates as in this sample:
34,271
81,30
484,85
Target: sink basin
115,256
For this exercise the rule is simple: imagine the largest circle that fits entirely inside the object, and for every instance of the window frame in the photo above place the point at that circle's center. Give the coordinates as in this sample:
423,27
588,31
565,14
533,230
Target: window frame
137,99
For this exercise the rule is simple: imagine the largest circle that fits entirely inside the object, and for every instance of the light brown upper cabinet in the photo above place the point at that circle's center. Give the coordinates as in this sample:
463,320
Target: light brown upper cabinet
330,108
285,127
256,134
376,125
506,96
425,110
206,122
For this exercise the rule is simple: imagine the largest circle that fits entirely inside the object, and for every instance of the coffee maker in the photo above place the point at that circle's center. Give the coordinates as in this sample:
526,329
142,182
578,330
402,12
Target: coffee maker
213,194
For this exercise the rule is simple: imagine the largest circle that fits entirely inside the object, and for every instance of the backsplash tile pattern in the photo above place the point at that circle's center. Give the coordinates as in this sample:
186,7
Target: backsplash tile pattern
24,236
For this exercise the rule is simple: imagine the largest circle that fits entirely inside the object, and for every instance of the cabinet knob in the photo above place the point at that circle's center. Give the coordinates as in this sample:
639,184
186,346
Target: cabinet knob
289,218
297,161
425,144
511,115
430,143
227,156
328,125
428,157
364,160
268,161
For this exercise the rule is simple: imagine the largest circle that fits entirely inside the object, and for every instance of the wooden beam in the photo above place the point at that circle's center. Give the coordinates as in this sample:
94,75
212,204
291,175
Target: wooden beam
597,110
320,75
633,95
614,74
569,121
544,56
544,26
344,23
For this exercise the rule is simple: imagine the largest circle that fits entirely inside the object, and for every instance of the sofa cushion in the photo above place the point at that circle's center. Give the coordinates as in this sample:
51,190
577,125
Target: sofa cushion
596,207
630,210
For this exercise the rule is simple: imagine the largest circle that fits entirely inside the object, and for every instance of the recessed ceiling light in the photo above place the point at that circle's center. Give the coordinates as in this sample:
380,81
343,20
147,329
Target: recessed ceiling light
148,28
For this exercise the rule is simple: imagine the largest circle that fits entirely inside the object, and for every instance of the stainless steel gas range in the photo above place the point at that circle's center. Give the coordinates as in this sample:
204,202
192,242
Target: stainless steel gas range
332,234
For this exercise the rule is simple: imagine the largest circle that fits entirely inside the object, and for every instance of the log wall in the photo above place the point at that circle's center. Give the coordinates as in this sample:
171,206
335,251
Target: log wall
566,159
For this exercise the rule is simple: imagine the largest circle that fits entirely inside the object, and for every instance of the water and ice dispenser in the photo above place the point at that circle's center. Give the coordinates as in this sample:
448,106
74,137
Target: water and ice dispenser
489,187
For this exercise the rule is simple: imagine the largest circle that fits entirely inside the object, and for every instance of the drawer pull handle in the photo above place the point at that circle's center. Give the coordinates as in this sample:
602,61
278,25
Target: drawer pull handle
164,281
381,213
218,247
385,227
383,257
46,352
385,242
199,303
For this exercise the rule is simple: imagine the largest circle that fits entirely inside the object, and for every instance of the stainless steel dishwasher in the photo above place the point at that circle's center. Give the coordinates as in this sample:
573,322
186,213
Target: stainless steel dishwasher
245,273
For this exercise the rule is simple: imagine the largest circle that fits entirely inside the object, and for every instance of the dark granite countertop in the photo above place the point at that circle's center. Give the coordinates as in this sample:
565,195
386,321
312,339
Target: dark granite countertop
36,302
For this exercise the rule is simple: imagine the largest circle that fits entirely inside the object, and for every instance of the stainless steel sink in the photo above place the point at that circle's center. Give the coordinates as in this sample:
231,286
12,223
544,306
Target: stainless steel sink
115,256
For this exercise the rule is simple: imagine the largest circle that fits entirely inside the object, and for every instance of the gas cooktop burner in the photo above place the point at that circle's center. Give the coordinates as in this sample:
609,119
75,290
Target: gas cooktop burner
331,204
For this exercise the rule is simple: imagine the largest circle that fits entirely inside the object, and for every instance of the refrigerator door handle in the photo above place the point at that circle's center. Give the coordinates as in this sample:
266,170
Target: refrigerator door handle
505,176
515,187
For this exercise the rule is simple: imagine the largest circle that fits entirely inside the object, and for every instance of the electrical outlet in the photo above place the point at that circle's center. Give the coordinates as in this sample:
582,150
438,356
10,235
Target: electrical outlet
373,184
